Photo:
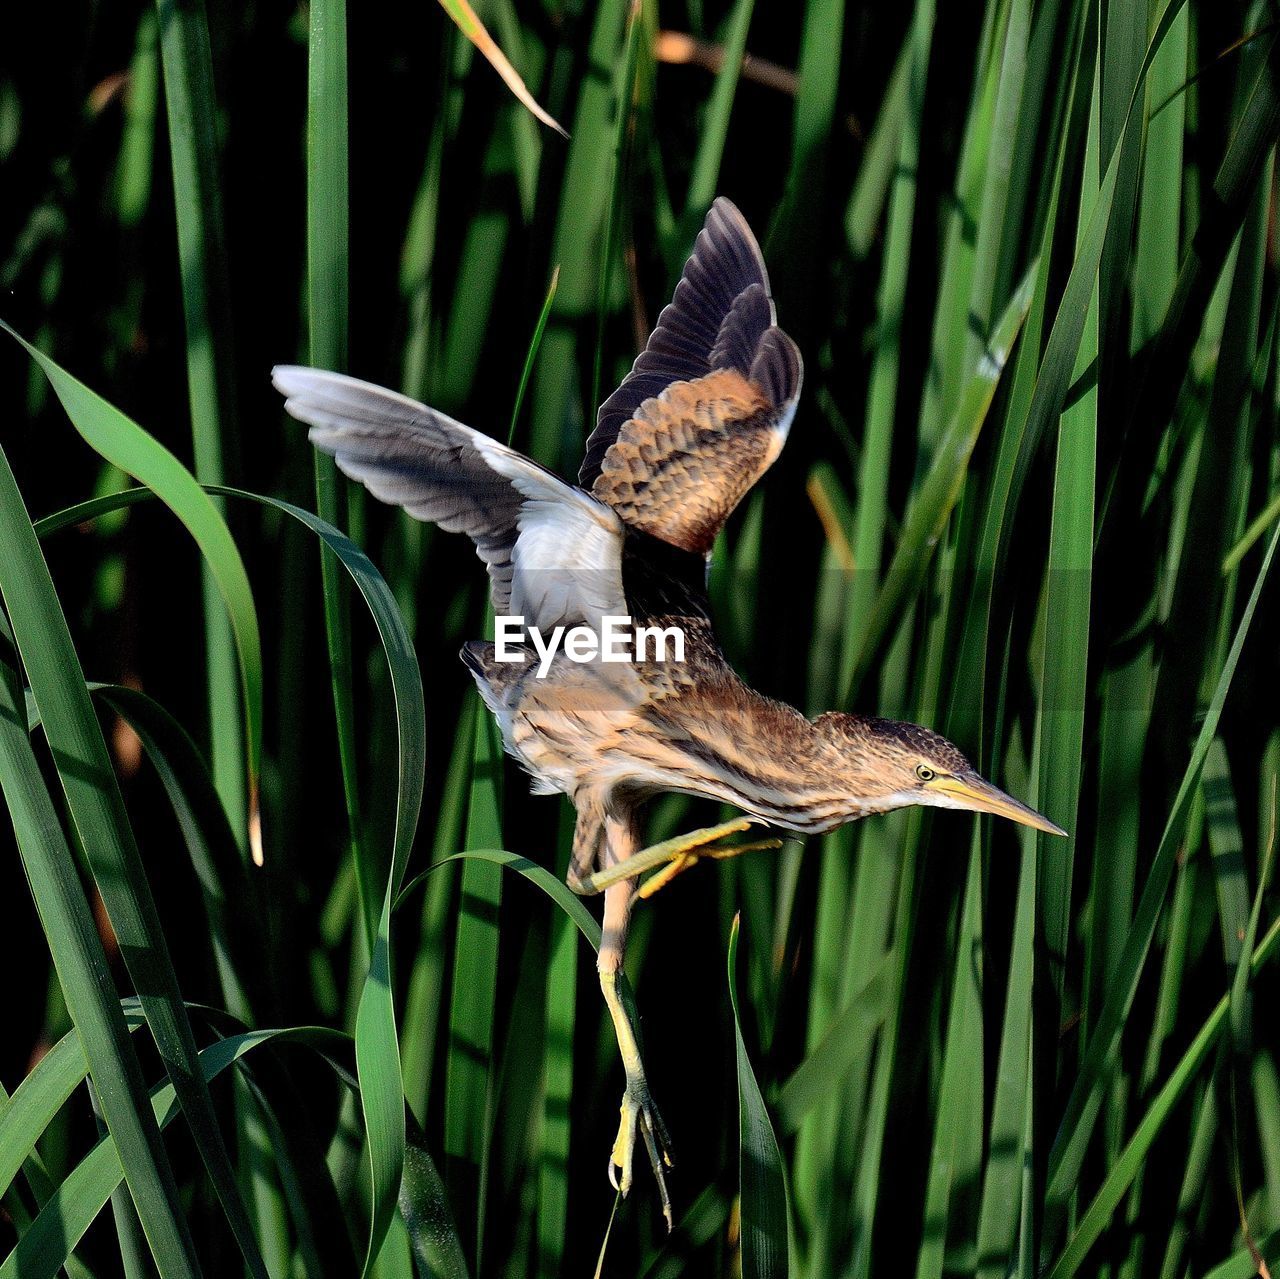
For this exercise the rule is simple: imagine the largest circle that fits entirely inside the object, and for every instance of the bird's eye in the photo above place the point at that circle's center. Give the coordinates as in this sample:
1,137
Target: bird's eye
925,773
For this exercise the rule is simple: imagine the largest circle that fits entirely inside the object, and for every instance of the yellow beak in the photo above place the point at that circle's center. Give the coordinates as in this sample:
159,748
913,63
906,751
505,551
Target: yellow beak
970,791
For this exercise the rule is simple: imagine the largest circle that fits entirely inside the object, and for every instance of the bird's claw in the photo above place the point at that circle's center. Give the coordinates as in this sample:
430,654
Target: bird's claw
639,1114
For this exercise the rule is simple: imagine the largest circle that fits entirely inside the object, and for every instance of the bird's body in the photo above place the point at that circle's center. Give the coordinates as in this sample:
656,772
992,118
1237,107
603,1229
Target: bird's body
613,735
702,415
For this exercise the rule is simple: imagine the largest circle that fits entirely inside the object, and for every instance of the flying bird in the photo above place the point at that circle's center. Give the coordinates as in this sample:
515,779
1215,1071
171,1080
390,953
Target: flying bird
703,413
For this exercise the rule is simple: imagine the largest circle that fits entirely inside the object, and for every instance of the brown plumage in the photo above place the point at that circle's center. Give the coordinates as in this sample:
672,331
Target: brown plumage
708,403
681,465
701,416
614,735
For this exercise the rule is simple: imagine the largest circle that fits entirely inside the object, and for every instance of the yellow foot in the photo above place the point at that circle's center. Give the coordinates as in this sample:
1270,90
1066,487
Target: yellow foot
674,855
640,1114
684,861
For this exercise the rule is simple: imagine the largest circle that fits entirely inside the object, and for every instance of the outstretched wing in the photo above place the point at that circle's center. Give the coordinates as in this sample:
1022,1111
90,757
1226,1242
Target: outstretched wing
707,405
553,552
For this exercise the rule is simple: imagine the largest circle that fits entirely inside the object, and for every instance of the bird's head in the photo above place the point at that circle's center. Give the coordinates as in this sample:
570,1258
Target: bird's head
894,765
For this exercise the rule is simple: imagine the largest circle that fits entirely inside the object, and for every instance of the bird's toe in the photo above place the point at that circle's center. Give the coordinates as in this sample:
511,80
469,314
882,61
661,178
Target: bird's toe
639,1116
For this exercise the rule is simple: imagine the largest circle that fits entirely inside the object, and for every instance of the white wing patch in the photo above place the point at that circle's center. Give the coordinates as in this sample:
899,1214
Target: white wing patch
566,567
567,559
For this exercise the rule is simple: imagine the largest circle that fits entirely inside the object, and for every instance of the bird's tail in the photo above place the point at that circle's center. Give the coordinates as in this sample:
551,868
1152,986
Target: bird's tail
498,684
494,679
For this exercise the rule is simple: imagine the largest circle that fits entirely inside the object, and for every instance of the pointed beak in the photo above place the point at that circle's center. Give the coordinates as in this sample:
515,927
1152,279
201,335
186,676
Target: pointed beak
968,790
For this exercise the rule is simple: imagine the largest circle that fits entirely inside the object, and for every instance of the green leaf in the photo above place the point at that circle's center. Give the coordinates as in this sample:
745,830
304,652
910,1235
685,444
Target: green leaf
848,1038
960,1095
557,890
1082,1107
98,812
1119,1177
61,1223
229,897
192,116
882,389
1068,592
576,246
377,1045
1009,1157
85,979
715,125
39,1097
556,1120
931,509
763,1187
469,1079
531,356
121,441
327,321
424,1206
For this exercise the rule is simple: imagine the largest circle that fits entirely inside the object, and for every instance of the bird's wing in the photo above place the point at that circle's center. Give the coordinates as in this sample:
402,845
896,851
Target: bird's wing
553,552
708,403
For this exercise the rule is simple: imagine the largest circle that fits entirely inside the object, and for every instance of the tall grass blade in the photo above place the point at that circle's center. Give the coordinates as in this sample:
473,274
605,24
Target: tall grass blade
121,441
1009,1157
464,16
531,358
425,1008
190,108
424,1207
557,411
70,1211
554,888
706,163
97,807
1118,1179
1069,582
555,1130
214,854
469,1079
875,173
39,1097
849,1037
882,393
327,285
1067,1152
86,981
763,1189
952,1167
928,514
948,354
377,1045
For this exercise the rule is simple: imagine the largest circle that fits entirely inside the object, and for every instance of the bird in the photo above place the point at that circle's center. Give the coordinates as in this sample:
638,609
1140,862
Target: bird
701,416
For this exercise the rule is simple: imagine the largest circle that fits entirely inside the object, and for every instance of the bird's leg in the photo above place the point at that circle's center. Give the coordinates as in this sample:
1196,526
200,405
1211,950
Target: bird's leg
638,1113
588,839
674,856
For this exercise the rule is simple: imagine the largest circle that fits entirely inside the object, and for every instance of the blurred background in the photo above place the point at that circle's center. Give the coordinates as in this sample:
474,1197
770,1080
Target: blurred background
1028,251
